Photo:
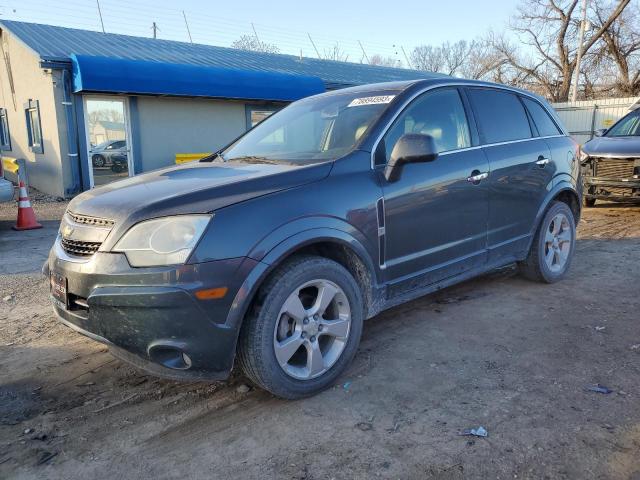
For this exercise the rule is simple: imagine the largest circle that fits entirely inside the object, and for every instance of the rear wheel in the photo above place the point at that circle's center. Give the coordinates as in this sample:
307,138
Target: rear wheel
553,245
304,330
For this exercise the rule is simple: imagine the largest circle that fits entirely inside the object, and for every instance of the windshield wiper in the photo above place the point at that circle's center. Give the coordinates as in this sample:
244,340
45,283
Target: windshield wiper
213,157
254,159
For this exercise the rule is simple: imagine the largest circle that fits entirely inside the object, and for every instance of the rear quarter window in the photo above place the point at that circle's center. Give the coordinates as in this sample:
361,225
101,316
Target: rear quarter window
545,125
500,115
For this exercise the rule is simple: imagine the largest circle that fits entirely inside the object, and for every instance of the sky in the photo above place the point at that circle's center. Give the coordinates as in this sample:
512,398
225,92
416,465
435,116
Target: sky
382,27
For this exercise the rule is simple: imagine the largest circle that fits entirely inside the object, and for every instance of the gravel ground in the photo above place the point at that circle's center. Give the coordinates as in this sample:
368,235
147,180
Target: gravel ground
500,352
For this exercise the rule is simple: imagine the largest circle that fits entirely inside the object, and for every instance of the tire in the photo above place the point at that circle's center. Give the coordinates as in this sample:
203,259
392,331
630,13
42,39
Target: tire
269,327
98,161
557,228
589,202
117,168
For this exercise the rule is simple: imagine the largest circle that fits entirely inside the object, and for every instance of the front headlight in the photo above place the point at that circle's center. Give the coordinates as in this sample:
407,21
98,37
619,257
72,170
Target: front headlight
162,241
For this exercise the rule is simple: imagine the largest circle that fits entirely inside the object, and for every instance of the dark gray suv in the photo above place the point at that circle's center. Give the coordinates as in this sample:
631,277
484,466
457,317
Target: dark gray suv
274,250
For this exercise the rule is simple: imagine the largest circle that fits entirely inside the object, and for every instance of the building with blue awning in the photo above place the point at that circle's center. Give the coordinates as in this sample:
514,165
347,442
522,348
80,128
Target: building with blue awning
85,108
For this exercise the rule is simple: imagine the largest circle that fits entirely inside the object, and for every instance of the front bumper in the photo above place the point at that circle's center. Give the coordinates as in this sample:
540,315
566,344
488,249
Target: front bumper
616,189
150,317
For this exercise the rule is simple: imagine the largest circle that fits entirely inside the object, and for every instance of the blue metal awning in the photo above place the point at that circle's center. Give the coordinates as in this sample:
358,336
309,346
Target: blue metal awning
118,75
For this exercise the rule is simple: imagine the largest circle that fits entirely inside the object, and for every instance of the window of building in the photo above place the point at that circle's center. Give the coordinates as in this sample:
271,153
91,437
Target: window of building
5,137
257,113
500,115
34,129
544,123
440,114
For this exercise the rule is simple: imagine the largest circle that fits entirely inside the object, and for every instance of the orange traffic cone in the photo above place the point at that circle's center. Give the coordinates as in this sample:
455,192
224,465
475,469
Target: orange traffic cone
26,216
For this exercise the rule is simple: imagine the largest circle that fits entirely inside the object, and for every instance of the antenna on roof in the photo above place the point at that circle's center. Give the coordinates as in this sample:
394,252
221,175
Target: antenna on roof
314,45
187,24
364,53
100,14
255,33
405,57
155,29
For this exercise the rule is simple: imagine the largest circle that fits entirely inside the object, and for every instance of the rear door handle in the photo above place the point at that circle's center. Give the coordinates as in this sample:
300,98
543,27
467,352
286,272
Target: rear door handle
476,176
542,161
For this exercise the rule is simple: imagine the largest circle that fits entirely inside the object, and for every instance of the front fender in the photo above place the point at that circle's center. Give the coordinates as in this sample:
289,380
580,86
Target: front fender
281,248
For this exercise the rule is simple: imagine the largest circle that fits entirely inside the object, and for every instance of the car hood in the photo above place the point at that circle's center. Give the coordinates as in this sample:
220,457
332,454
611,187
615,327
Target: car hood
198,187
613,147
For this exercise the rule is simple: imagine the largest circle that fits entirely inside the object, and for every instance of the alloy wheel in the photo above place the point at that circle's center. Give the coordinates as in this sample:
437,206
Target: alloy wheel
557,242
312,329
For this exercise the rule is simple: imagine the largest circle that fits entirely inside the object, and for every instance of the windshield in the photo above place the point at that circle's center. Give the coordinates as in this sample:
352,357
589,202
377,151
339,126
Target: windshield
628,126
314,130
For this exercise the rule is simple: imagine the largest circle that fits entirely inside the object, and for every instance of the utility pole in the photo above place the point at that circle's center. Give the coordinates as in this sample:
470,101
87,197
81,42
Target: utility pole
187,24
364,53
314,45
583,26
100,15
155,29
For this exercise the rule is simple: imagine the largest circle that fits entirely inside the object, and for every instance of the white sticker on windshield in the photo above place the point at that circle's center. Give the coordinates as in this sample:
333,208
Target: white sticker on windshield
356,102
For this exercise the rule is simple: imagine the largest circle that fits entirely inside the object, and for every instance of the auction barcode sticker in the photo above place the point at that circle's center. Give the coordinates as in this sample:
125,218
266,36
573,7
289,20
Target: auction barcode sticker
356,102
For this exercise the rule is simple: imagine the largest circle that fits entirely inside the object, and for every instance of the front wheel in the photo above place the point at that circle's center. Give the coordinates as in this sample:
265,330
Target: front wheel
553,245
304,329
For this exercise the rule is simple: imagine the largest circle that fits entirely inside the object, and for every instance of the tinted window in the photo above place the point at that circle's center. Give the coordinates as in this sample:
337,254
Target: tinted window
545,125
439,114
500,115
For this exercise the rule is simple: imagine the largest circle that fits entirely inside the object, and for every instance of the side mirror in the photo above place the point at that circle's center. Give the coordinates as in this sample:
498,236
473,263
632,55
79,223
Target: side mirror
600,132
410,148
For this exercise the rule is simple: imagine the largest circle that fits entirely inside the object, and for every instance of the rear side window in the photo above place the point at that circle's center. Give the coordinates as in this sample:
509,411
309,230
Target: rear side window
500,115
545,125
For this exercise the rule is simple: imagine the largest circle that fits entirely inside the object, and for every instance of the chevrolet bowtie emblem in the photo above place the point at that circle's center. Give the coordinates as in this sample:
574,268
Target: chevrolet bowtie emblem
67,231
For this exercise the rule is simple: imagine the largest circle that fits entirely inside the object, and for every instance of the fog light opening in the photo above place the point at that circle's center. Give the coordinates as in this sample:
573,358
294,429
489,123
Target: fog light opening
170,357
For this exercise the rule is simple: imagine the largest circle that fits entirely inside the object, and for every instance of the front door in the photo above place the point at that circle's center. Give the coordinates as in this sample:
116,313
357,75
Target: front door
435,216
108,139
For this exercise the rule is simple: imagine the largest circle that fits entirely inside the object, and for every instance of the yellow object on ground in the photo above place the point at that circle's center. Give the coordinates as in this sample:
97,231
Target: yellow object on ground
189,157
10,165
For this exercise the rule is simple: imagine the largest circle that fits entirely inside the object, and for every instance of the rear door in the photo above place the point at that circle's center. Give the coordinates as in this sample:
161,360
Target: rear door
521,170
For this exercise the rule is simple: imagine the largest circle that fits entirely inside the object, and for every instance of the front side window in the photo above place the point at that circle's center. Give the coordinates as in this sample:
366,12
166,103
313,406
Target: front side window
544,123
5,137
439,113
34,130
626,127
313,130
500,115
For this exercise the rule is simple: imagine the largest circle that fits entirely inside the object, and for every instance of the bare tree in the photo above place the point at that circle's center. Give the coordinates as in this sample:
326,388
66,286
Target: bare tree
549,28
389,61
335,53
476,59
428,58
254,44
618,55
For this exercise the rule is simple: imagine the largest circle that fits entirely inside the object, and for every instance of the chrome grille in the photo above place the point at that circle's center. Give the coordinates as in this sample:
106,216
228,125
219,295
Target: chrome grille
614,167
76,247
93,221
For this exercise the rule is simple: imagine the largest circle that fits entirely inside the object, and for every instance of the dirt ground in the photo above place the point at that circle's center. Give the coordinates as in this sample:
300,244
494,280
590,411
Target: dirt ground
500,352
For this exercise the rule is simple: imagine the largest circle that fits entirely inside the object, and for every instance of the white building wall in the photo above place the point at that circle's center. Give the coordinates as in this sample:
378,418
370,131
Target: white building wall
583,118
46,171
184,125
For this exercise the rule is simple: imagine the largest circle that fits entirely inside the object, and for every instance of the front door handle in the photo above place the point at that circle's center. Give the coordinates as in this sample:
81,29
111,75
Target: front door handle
477,176
542,161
